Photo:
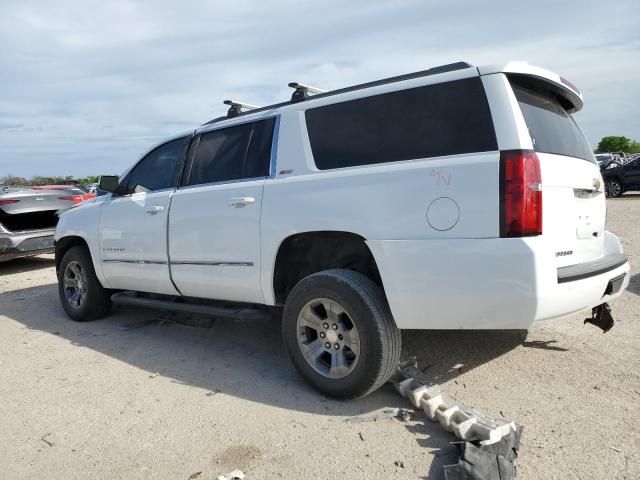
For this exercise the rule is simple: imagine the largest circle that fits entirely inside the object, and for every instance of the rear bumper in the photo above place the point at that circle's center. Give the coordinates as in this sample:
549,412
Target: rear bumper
591,269
23,244
494,283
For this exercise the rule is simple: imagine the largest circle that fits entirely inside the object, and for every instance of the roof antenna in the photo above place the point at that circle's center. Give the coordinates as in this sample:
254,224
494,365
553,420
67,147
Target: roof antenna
303,91
235,108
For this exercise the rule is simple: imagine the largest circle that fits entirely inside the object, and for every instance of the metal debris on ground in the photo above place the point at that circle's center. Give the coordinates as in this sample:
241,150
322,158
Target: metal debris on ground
154,375
486,462
235,475
490,444
385,414
135,325
44,439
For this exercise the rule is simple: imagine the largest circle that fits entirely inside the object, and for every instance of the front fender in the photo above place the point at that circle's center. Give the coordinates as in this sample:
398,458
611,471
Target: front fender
83,221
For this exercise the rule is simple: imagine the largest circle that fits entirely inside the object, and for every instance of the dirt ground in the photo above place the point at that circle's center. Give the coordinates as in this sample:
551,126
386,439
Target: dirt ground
107,400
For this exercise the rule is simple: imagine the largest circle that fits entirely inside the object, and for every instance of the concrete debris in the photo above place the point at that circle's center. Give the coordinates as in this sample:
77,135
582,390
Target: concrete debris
464,422
235,475
490,445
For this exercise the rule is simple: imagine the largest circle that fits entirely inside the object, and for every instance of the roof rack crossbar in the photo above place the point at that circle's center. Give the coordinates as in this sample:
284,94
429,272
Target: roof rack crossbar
235,108
432,71
303,91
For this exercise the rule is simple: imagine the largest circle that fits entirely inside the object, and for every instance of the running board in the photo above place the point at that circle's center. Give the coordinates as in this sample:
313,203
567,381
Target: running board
133,299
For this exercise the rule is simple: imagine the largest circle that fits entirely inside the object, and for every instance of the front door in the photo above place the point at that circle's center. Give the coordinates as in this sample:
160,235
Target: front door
133,223
214,224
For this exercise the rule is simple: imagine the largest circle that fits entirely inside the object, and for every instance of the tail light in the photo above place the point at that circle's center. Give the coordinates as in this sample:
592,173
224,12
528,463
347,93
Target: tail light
77,198
72,198
8,202
520,194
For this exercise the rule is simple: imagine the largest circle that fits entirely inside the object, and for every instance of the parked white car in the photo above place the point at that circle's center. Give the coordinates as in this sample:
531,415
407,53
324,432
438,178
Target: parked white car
453,198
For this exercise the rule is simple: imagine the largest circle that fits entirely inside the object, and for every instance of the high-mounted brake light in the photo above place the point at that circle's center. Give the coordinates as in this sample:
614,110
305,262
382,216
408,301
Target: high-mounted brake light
520,194
8,202
570,85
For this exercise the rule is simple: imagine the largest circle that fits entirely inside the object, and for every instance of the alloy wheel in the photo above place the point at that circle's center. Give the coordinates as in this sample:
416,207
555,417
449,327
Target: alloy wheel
75,284
328,338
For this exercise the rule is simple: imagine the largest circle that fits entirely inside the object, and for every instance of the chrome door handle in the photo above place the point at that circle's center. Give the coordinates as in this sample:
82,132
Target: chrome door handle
153,209
242,201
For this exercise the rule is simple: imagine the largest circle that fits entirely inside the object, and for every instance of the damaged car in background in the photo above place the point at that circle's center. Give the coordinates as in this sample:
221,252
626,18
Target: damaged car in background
29,215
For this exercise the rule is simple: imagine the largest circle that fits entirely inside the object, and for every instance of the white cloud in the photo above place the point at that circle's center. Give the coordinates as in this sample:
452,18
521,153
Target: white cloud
86,87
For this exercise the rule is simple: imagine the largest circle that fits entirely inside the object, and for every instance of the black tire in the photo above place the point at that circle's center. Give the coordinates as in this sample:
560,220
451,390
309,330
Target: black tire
366,305
97,300
614,188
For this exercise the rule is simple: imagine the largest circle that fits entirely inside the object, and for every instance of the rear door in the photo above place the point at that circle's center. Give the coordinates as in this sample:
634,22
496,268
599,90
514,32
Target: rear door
214,225
133,222
574,208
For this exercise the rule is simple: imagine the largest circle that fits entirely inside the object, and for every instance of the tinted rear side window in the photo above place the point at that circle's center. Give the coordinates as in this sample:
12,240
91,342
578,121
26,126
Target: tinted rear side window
259,153
220,155
435,120
233,153
552,129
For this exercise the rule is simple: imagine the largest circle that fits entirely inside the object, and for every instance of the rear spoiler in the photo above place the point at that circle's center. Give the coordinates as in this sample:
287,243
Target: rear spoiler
561,86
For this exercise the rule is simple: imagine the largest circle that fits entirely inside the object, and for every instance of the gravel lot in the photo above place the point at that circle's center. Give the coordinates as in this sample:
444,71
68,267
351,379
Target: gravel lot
168,401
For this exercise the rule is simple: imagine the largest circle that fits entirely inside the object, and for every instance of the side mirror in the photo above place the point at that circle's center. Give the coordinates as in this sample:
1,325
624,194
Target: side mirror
108,183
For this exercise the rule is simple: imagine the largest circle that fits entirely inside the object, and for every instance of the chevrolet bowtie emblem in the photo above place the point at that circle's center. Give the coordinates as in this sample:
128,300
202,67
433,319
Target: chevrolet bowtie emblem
596,183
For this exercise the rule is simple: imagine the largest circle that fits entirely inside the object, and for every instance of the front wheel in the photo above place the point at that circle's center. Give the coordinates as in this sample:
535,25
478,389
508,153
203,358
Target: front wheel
613,188
81,295
340,334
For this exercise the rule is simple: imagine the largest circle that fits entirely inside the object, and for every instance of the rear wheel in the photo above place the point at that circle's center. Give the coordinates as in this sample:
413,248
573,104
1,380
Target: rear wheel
613,188
81,295
340,334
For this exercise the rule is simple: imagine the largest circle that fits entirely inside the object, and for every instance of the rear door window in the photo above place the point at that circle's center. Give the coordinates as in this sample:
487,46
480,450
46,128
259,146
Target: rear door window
233,153
431,121
551,127
259,154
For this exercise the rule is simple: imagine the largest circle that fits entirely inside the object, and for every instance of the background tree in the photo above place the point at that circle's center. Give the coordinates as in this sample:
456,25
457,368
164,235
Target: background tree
15,181
614,144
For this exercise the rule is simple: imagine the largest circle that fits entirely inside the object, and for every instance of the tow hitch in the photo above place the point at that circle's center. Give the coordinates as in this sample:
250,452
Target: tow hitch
601,317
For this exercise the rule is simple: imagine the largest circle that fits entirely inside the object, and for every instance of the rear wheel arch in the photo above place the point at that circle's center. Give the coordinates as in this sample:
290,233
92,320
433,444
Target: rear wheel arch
340,334
305,253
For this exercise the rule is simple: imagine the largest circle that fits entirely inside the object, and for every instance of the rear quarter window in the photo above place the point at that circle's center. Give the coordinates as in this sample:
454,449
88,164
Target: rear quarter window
431,121
551,127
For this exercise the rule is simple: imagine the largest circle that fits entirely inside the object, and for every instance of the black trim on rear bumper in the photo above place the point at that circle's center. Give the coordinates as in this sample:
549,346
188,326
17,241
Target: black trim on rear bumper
591,269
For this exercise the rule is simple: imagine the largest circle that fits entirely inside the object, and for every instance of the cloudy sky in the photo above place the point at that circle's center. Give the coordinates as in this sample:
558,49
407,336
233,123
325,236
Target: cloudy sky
86,87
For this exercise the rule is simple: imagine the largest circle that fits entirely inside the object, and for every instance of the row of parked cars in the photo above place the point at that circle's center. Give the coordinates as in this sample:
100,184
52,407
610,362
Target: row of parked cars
620,171
28,217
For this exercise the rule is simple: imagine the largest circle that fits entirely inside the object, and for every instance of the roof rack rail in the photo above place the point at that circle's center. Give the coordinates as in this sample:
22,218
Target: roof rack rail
235,108
303,91
424,73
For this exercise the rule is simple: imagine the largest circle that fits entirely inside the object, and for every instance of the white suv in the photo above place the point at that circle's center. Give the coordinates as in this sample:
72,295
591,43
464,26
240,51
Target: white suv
456,197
